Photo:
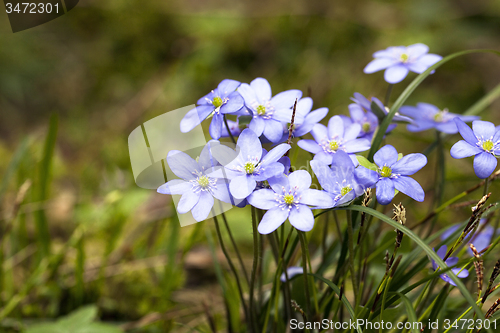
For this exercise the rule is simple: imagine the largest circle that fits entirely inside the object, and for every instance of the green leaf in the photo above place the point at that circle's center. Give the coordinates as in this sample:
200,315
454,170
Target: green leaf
433,255
80,317
377,140
365,163
410,311
377,111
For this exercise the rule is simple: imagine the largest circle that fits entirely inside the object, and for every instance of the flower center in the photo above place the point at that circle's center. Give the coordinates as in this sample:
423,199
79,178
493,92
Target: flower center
488,145
404,57
345,190
366,127
203,181
334,145
249,167
385,171
217,102
261,110
288,199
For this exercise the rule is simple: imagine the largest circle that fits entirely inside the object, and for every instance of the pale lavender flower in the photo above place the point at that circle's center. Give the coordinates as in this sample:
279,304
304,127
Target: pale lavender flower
451,261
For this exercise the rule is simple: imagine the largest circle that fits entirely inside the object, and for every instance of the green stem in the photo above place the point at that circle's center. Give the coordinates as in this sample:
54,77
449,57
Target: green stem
245,274
486,186
350,245
256,250
229,130
388,94
304,266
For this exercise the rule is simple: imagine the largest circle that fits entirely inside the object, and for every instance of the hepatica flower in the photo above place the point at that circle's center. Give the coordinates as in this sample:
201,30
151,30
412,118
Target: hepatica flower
426,116
361,113
399,60
222,100
329,140
451,261
291,272
481,239
482,142
342,181
250,166
393,174
289,198
269,113
197,186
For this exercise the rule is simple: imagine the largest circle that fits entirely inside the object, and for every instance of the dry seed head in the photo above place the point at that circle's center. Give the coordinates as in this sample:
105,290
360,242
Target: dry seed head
493,309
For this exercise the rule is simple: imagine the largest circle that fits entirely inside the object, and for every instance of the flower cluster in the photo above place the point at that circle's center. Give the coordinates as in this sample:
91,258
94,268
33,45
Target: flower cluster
250,174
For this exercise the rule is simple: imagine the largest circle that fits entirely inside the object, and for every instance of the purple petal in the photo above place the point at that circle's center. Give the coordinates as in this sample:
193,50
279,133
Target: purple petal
465,131
365,177
409,164
442,251
276,153
335,127
182,165
221,191
247,93
273,130
316,198
286,99
422,125
304,106
215,128
448,128
445,235
484,165
194,117
262,89
242,186
249,144
234,103
430,59
385,191
187,202
227,86
319,132
203,207
175,186
483,129
324,157
410,187
272,220
263,199
461,273
316,115
463,149
324,175
357,145
291,272
356,112
279,183
257,125
270,170
300,179
377,65
417,50
395,74
417,67
301,217
352,132
309,145
387,155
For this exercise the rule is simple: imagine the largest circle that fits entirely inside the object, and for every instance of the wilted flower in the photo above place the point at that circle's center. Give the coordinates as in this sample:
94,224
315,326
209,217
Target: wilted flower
399,60
222,100
393,174
289,198
482,142
426,116
250,165
269,113
451,261
197,185
328,141
342,181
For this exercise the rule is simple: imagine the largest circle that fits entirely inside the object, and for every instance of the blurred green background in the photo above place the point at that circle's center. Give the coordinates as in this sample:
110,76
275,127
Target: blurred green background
84,233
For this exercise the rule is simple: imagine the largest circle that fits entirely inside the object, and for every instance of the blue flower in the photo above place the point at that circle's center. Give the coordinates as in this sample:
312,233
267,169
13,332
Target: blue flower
482,142
426,116
289,198
305,119
399,60
342,181
393,174
451,261
269,113
223,100
291,271
481,239
249,165
362,114
328,141
197,185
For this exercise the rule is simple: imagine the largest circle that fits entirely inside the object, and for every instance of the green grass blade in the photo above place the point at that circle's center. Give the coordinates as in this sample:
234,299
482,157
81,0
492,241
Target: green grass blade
344,298
377,141
412,316
424,247
13,165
